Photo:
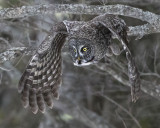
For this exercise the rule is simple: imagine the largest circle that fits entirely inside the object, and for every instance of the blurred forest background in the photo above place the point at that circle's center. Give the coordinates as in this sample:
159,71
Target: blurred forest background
90,97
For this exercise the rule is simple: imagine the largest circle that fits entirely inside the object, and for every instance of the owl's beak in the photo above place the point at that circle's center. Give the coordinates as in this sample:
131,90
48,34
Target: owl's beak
79,60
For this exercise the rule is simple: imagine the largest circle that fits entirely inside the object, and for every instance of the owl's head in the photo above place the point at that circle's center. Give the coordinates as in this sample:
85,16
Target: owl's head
82,51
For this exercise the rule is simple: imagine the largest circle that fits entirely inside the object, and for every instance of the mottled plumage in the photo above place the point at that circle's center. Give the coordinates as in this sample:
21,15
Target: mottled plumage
88,41
42,77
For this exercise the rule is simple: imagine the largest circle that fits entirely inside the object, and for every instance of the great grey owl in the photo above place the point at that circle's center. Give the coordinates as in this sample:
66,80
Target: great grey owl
88,41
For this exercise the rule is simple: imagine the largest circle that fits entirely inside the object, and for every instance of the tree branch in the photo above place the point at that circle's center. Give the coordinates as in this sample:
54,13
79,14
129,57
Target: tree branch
80,9
15,52
124,10
141,30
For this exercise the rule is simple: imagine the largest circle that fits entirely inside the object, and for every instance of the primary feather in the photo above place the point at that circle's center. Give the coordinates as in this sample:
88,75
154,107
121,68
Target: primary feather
42,77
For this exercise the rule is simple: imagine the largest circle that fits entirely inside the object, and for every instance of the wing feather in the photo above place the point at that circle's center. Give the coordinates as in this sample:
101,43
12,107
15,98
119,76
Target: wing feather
33,100
43,72
25,96
48,98
41,103
119,29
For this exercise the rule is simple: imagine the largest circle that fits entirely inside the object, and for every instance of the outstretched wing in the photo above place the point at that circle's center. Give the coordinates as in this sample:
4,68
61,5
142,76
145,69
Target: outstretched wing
42,76
119,29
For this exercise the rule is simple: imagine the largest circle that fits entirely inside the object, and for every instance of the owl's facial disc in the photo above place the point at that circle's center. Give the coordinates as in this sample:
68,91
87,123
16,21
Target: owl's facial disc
82,52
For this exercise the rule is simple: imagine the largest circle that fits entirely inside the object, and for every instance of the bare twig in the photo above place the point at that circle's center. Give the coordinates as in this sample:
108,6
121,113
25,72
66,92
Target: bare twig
122,108
147,87
0,78
125,126
86,116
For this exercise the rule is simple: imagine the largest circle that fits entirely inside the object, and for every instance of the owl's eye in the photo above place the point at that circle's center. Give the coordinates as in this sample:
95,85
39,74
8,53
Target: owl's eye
84,49
74,49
